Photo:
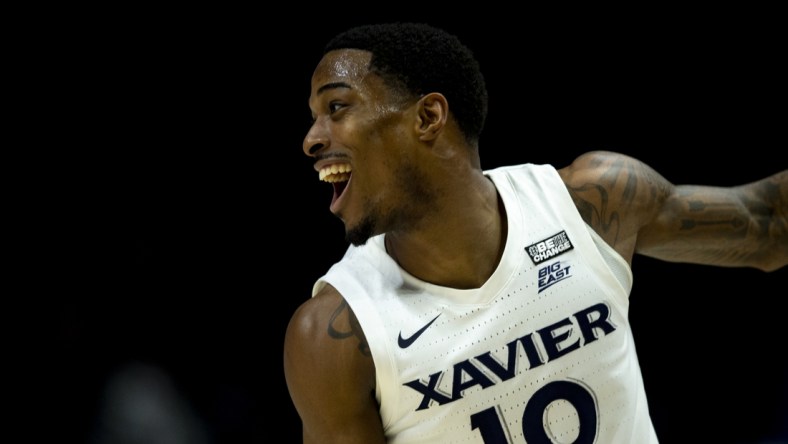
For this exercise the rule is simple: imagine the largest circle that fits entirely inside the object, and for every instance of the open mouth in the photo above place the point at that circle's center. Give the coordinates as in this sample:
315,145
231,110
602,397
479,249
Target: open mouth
337,175
338,172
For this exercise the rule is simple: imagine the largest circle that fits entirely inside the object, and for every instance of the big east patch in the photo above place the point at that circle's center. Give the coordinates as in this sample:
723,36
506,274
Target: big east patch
553,273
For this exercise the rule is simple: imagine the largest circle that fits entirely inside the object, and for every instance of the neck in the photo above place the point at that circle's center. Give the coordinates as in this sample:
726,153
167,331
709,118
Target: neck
461,245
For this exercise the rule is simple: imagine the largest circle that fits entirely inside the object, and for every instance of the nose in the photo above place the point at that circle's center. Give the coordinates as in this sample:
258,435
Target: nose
315,139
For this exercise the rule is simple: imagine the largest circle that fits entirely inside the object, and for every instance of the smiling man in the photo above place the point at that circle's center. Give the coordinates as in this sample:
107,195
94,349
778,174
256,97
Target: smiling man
485,306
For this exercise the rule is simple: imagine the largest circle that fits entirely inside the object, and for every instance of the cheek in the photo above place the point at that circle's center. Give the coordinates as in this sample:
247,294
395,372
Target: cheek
386,127
384,148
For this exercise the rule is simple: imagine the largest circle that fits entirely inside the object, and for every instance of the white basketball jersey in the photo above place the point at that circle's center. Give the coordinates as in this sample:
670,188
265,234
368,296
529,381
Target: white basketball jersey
541,353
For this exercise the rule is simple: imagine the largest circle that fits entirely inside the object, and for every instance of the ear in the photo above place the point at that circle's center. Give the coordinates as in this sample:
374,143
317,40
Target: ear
433,111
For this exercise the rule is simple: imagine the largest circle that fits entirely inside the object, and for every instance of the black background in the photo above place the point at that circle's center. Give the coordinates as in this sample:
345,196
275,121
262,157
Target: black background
188,224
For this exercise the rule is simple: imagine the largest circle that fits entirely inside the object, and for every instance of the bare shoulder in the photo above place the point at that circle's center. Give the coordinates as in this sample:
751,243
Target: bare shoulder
609,169
330,373
314,317
322,328
616,195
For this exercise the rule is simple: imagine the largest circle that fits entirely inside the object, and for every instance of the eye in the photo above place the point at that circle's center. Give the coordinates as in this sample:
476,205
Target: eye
334,107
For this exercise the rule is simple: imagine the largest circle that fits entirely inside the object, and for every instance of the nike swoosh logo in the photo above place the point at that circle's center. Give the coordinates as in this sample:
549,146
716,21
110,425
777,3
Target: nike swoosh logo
405,343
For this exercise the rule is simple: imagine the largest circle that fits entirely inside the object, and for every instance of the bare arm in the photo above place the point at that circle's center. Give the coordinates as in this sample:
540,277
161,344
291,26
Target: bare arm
330,373
636,210
742,226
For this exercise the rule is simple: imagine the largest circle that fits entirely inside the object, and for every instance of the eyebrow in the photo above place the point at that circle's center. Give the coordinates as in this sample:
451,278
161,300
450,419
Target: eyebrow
333,85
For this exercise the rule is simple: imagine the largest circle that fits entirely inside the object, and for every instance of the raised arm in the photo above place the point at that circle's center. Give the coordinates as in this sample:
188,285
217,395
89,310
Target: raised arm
330,373
740,226
636,210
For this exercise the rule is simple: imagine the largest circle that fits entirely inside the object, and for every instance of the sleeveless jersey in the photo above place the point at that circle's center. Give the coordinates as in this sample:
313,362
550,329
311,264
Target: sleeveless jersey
541,353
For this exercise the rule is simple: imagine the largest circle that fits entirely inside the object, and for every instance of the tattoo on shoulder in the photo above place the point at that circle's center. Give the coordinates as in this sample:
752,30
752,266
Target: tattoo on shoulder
622,183
592,201
344,325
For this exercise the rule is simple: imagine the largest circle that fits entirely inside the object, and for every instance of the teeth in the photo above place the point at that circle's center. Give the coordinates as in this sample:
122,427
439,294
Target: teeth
335,173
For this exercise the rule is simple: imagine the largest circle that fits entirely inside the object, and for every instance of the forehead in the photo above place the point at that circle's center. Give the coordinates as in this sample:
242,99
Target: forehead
344,65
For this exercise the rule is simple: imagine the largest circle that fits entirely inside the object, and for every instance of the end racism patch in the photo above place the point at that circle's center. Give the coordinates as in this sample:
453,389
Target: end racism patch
549,248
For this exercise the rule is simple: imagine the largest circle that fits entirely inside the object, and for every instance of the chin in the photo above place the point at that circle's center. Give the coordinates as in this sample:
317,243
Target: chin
360,233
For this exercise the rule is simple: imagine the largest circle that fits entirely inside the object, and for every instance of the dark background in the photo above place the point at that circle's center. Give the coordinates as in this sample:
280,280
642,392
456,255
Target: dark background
188,224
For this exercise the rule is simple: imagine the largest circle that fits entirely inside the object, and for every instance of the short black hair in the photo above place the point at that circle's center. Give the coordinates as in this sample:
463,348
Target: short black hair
418,58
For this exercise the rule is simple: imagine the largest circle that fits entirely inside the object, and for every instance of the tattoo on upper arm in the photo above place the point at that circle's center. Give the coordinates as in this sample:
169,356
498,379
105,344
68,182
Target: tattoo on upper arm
623,184
705,208
335,327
